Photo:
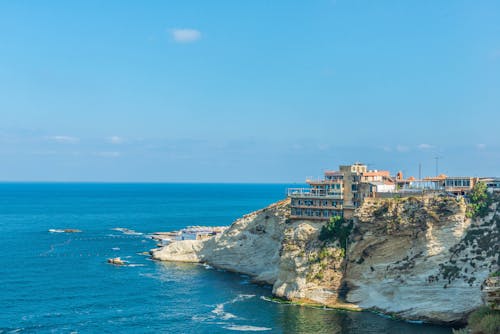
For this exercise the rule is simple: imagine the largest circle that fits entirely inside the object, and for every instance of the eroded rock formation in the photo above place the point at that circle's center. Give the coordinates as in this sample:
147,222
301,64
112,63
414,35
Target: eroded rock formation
417,258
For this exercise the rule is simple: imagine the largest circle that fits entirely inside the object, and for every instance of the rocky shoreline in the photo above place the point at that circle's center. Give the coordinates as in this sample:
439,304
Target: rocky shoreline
419,259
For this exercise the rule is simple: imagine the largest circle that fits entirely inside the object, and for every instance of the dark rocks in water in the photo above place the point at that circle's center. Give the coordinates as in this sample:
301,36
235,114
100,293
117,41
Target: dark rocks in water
66,230
116,261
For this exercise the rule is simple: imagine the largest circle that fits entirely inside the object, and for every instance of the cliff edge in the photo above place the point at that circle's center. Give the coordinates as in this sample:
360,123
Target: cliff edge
421,258
416,258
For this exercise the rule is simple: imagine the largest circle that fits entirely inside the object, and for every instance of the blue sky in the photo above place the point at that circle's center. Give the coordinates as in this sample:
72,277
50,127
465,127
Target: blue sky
246,91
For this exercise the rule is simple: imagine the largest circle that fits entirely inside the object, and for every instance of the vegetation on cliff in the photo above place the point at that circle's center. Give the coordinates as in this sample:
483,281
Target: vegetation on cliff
336,230
479,201
484,320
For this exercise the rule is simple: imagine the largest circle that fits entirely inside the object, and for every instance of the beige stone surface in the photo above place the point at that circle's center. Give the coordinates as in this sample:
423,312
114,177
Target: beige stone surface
420,258
417,258
179,251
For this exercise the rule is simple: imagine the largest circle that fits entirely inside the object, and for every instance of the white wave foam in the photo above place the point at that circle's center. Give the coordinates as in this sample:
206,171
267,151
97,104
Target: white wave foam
56,230
241,297
247,328
267,299
127,231
220,313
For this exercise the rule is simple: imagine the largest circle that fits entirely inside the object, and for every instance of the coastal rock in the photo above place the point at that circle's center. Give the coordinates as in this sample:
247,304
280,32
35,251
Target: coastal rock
182,251
415,258
420,258
309,270
250,245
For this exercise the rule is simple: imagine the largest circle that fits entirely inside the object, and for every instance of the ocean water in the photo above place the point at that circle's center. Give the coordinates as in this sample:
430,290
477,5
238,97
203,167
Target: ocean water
61,283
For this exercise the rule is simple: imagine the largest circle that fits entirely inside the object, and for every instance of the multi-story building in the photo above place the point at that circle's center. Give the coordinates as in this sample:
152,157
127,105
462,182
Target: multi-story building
341,192
492,184
459,185
322,200
338,194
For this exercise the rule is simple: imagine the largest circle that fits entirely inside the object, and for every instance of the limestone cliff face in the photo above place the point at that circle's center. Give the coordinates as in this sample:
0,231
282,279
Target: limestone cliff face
309,270
251,245
418,258
267,246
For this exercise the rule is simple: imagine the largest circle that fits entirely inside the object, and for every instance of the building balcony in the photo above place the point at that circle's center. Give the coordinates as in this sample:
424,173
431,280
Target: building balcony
323,182
458,189
310,193
317,207
309,217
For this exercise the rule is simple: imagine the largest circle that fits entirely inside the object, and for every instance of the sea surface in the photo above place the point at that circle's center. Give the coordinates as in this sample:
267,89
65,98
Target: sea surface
61,283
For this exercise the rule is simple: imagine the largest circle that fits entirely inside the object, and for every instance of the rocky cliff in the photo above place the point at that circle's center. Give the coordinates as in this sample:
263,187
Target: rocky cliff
421,258
417,258
251,245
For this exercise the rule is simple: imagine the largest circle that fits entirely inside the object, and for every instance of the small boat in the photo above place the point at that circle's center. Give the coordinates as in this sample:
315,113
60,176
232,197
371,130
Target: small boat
116,261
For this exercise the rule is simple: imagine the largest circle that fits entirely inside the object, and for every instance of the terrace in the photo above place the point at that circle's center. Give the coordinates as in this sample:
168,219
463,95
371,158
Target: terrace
311,192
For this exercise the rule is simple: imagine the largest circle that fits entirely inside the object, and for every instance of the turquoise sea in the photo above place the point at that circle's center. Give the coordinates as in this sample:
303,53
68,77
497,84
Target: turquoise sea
61,283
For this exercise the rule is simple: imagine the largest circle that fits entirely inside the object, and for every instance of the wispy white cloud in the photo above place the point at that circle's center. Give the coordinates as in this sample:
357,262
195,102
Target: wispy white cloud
44,153
386,148
108,154
115,140
402,148
64,139
185,35
425,147
398,148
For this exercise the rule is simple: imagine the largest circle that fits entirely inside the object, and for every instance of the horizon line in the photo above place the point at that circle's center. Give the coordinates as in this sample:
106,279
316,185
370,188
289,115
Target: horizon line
145,182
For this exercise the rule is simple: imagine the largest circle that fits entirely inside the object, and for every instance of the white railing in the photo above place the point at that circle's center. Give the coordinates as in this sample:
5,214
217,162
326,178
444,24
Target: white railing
309,192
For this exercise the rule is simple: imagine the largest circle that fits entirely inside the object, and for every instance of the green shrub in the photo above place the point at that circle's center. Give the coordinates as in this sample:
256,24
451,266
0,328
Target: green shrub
485,321
490,324
337,229
476,316
479,201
